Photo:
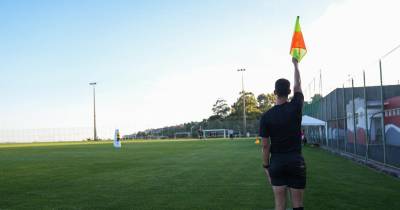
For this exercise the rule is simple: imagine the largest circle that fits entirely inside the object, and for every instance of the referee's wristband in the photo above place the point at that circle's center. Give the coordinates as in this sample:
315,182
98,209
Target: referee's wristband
266,166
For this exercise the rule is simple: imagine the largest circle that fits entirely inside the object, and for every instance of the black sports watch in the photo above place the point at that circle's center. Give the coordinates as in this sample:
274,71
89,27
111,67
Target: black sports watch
266,166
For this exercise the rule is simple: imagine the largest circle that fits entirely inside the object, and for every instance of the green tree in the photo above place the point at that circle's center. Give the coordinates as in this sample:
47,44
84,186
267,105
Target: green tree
265,101
252,110
220,109
316,98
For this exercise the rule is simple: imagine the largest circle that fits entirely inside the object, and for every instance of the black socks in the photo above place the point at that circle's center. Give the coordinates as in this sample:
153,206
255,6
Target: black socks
298,208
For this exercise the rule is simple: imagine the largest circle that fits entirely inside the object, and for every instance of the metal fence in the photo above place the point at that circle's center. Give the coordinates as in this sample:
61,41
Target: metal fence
53,134
361,120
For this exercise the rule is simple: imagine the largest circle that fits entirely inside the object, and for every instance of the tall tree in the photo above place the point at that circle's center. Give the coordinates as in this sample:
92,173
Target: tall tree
252,110
220,109
265,101
316,98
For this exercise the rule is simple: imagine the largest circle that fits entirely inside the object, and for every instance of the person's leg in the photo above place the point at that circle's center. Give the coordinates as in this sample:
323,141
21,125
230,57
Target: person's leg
297,181
280,197
297,197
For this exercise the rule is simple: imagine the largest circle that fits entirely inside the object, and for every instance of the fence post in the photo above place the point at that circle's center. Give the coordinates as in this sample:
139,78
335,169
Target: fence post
327,123
383,114
337,120
366,118
321,105
345,119
331,120
354,117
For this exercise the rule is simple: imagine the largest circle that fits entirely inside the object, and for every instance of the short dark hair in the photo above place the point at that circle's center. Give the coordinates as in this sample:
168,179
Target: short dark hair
282,87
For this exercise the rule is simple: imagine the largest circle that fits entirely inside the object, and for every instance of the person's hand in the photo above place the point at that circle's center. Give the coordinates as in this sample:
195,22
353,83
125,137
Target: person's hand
267,174
295,61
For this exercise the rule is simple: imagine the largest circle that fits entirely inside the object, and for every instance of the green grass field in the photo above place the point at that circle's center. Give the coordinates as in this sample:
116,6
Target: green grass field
215,174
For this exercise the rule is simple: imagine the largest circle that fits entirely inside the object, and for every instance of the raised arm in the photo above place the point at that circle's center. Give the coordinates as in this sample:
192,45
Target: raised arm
297,80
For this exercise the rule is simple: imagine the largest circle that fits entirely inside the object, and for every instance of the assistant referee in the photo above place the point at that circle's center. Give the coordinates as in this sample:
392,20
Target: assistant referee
280,129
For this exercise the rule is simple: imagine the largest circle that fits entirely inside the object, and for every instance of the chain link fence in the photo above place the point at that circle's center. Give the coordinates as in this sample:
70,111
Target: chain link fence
54,134
363,116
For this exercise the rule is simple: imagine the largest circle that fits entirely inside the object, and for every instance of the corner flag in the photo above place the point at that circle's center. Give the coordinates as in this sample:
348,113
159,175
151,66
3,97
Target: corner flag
298,47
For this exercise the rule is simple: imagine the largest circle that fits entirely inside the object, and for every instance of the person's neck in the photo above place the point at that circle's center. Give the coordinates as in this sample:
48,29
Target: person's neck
281,100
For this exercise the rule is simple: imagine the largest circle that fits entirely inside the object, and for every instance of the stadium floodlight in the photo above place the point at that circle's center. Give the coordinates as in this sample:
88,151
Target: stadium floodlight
93,84
244,102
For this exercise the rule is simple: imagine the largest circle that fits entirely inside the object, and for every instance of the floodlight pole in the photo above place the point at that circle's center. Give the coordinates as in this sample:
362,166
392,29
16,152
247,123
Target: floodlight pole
244,102
93,84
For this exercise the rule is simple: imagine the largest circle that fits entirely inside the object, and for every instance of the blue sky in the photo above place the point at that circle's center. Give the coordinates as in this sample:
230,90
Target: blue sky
147,57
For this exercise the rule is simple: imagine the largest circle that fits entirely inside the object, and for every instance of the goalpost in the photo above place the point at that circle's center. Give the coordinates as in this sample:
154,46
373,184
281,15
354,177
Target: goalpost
182,135
215,133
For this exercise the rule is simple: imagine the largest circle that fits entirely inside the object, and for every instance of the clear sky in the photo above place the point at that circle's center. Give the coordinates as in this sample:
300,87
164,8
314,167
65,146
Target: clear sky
160,63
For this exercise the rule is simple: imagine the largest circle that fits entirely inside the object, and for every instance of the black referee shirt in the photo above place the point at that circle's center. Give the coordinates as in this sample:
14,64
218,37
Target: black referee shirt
282,123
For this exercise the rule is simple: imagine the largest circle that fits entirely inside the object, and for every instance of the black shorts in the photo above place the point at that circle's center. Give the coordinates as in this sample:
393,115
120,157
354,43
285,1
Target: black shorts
288,169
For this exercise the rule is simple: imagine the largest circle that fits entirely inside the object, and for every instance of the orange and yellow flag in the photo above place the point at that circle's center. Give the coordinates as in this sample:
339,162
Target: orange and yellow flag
298,47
